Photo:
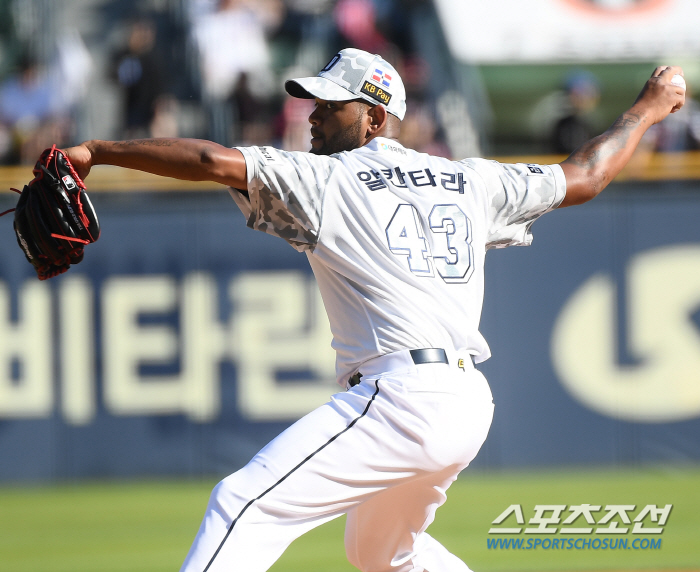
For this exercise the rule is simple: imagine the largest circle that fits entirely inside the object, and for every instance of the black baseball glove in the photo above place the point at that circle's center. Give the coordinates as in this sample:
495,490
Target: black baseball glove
54,218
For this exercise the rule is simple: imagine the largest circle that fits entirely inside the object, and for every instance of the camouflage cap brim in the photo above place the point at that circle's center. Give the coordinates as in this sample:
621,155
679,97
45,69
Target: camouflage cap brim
312,87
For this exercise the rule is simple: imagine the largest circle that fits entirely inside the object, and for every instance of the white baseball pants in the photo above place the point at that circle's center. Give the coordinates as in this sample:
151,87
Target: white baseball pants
383,452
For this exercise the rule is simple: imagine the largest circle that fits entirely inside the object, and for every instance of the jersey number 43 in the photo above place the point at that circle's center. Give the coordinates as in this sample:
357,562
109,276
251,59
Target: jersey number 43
453,257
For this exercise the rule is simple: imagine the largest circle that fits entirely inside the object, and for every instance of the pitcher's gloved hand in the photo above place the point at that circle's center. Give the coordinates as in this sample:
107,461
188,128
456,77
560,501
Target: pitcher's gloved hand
54,218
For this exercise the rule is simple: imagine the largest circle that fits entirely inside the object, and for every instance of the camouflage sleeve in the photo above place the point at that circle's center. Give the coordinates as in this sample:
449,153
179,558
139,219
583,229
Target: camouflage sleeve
516,196
285,193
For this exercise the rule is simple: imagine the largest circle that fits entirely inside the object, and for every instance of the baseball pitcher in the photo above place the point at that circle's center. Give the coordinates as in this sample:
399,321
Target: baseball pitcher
396,240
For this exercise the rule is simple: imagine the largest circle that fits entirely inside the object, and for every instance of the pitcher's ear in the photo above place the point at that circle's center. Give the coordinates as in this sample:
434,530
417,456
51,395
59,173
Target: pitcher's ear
378,116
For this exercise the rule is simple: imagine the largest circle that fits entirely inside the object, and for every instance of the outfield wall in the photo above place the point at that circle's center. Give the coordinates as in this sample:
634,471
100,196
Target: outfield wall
185,341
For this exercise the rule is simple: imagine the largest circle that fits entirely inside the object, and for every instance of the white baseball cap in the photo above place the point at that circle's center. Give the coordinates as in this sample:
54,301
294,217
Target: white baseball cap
354,74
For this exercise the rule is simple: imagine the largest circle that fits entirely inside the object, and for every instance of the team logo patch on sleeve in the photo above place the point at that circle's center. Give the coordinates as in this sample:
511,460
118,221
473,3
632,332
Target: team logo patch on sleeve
535,169
376,92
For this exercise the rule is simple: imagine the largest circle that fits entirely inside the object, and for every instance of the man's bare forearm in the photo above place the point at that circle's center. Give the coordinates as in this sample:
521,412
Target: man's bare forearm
612,146
592,166
187,159
602,158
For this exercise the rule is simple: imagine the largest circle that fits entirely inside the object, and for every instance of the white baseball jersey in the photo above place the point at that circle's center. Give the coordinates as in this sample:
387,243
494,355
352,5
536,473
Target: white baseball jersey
397,242
397,238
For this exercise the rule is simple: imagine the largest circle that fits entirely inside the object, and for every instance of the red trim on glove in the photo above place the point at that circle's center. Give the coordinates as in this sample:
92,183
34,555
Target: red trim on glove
71,239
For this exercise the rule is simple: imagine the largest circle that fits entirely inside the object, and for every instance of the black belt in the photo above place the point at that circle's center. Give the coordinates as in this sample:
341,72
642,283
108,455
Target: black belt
424,355
429,355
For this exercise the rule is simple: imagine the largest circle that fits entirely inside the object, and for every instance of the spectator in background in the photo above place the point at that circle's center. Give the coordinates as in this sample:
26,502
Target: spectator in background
231,43
576,126
138,70
32,113
255,114
72,65
356,21
566,118
165,117
295,124
310,26
419,131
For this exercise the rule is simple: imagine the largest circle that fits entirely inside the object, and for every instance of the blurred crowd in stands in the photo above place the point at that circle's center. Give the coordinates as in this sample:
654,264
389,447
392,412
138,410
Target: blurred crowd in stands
215,69
567,118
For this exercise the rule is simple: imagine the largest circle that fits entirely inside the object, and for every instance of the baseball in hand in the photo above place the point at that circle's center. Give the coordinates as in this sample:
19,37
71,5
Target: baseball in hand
678,80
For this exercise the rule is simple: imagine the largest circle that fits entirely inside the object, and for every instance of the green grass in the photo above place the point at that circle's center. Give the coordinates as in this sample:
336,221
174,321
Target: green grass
148,526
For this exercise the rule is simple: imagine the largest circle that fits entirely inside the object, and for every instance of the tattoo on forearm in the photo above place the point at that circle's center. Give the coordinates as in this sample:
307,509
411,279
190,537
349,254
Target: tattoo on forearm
625,120
145,143
612,141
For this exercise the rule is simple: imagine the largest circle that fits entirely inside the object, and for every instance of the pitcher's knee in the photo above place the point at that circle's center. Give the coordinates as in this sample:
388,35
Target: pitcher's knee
229,496
218,491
